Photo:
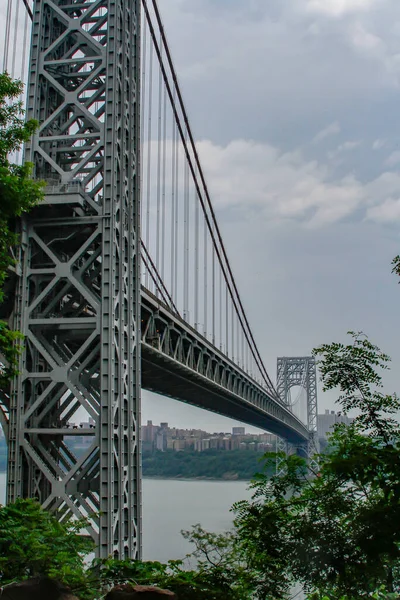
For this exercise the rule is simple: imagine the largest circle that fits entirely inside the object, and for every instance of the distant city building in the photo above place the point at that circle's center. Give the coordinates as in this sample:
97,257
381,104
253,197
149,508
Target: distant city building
226,443
149,432
162,438
326,421
238,431
162,441
179,445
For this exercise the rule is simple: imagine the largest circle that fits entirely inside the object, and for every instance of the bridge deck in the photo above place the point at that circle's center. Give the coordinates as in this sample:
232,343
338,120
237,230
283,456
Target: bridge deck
180,363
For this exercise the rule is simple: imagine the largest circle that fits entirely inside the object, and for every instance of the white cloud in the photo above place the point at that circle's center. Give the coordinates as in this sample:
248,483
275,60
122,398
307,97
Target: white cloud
393,159
332,129
343,148
338,8
387,212
378,144
381,46
346,146
255,180
253,177
366,41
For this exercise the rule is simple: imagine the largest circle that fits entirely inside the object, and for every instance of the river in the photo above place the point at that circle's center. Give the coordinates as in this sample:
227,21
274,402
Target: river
170,505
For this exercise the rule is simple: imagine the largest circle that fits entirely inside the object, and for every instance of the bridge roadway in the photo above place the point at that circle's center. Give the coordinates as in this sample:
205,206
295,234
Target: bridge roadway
180,363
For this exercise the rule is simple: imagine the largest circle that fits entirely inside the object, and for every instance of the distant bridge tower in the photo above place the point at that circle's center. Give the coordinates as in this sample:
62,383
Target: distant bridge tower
77,300
300,371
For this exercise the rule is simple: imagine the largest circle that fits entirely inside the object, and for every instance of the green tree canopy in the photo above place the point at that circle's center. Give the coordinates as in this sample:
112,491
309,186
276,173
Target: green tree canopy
18,193
34,543
336,533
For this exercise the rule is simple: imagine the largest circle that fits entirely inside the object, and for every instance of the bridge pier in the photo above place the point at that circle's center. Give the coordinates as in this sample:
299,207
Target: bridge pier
77,300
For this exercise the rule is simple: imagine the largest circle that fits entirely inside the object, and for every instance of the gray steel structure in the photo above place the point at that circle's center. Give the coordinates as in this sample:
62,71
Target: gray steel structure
93,335
300,371
78,299
178,361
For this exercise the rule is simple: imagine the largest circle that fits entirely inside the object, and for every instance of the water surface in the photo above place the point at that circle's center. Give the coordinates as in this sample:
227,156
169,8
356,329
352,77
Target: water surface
170,505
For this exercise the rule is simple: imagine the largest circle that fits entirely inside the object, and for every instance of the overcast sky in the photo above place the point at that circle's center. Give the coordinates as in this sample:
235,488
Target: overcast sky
295,105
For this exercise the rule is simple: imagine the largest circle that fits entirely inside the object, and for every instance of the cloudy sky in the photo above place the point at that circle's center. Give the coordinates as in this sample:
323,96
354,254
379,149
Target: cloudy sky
295,105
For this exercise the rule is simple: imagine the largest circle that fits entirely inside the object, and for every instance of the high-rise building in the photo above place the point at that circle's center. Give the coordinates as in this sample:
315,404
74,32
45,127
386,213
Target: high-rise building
238,431
161,441
326,421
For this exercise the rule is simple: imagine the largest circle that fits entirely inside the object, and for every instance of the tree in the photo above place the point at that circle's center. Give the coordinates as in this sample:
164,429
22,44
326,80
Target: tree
34,543
18,193
336,533
220,572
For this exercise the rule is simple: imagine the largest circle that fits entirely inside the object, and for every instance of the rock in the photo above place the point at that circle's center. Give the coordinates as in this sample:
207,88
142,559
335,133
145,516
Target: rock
139,592
36,589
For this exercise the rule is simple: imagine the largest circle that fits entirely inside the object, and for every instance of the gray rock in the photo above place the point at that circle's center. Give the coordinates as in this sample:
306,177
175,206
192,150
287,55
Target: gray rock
139,592
36,589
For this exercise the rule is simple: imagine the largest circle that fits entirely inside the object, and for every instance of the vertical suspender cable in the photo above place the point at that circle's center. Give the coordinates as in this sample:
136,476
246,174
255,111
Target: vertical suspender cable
23,63
177,140
243,365
173,209
205,279
220,307
233,331
238,330
149,145
159,147
16,24
226,321
143,103
196,259
186,225
24,46
164,216
7,35
213,296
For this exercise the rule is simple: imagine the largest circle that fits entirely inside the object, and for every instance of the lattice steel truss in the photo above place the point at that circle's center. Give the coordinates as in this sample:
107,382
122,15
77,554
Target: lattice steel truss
78,299
301,371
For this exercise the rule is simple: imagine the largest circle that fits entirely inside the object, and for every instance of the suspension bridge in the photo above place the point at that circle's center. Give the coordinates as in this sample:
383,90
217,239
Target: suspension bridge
122,279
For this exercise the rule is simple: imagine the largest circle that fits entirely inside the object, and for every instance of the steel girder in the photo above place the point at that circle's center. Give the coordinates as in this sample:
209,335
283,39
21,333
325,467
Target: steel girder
301,371
193,370
78,299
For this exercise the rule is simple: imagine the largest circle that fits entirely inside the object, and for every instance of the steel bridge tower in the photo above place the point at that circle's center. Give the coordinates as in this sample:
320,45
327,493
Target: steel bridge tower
77,300
302,372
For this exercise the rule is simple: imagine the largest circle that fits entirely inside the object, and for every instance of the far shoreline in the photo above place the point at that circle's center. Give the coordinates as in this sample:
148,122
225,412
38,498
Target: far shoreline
177,478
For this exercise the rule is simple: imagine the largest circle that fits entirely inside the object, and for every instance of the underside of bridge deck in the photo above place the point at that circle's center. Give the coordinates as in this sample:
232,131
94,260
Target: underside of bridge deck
164,375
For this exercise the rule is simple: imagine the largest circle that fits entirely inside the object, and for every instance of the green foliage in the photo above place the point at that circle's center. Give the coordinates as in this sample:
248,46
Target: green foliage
336,533
18,193
34,543
396,265
380,594
220,557
9,349
220,572
186,583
